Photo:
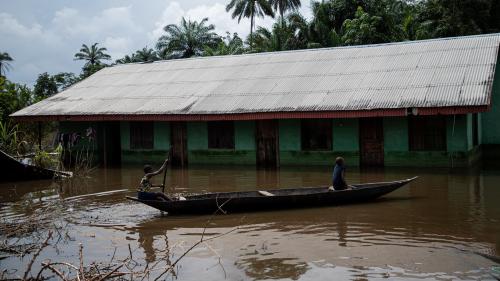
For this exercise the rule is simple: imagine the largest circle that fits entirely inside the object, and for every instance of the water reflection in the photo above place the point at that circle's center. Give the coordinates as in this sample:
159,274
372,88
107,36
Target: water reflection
439,223
272,268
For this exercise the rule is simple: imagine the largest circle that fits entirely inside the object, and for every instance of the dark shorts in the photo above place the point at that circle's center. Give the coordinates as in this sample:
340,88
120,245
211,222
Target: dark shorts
156,196
340,187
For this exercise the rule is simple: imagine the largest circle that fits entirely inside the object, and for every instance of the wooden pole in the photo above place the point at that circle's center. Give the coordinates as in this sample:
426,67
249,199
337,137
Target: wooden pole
39,135
165,172
105,151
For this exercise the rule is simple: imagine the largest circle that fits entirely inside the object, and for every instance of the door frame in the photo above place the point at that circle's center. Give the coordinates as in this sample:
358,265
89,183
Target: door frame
265,163
379,123
179,128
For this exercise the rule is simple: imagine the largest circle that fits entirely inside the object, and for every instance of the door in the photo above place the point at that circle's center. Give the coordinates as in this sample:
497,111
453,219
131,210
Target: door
371,142
111,144
267,141
178,137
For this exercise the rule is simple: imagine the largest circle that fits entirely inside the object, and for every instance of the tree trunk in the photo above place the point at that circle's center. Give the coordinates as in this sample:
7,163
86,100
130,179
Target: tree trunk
251,30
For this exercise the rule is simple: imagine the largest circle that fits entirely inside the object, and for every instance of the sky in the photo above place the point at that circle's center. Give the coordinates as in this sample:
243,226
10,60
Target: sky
43,35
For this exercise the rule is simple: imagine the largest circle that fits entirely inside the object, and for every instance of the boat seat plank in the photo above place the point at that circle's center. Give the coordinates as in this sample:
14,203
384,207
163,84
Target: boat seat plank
265,193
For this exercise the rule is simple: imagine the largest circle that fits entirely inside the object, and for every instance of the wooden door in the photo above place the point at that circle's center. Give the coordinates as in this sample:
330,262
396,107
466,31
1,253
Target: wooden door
267,141
371,141
111,144
178,137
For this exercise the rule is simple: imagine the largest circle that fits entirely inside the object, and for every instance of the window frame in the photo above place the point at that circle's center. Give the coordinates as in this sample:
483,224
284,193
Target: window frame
217,131
142,135
427,133
308,126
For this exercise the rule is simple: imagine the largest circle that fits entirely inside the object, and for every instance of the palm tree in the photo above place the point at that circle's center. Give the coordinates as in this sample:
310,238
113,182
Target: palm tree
228,46
145,55
92,55
250,9
126,59
282,6
187,39
4,63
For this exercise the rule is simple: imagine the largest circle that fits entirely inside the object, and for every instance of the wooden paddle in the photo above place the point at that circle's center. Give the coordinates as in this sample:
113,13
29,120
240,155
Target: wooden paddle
166,168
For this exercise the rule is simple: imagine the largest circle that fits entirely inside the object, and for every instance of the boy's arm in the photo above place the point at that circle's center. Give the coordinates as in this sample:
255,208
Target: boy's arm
159,170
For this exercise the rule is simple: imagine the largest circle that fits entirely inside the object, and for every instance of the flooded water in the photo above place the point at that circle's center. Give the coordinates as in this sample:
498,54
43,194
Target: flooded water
444,226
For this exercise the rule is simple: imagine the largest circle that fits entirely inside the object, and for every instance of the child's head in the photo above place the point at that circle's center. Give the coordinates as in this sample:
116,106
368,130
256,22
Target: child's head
339,161
148,169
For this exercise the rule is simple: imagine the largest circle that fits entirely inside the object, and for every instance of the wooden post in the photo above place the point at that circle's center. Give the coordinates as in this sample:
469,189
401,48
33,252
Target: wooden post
105,151
39,135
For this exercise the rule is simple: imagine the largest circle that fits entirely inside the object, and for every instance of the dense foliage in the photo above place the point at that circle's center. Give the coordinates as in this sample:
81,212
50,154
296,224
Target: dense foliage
334,23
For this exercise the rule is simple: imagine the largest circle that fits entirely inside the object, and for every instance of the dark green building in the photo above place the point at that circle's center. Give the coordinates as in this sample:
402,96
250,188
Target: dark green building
420,103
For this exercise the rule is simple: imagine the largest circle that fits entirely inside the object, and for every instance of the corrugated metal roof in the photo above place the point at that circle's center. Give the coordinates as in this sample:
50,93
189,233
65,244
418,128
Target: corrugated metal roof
452,72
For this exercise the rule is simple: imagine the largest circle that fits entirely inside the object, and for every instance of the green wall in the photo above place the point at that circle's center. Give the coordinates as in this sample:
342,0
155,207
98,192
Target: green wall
490,129
396,148
490,119
457,133
197,136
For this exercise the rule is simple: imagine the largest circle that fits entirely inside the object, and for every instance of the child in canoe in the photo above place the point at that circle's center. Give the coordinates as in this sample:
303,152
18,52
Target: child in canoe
146,185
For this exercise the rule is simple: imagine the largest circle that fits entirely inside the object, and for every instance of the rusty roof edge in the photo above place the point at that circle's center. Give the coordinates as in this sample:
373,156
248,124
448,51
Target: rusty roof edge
393,112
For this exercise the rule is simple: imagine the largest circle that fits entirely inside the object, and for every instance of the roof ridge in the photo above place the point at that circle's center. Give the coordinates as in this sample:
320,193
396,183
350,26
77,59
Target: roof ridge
317,49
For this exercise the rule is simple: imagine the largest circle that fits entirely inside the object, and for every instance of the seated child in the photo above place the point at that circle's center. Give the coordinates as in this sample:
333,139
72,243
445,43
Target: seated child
146,185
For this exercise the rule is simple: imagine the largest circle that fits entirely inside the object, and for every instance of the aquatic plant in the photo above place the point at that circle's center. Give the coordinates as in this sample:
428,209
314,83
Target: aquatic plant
9,137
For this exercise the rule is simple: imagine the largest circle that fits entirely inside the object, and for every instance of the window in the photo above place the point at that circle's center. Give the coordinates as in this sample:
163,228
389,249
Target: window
316,134
221,135
427,133
141,135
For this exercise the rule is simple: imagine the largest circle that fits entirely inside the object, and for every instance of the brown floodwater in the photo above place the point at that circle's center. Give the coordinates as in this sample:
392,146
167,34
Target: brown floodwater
444,226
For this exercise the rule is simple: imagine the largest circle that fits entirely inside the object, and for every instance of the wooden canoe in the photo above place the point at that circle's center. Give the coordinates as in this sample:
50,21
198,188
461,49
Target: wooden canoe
249,201
13,170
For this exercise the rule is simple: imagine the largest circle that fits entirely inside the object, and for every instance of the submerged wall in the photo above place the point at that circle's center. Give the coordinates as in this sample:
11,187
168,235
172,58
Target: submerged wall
460,150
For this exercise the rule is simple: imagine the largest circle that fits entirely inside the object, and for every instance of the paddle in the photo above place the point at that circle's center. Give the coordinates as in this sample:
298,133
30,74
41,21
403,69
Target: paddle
166,168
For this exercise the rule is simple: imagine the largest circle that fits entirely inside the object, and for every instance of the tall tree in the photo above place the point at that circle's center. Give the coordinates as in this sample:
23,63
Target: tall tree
187,39
282,6
65,79
45,86
93,55
250,9
5,58
445,18
290,34
13,97
324,27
